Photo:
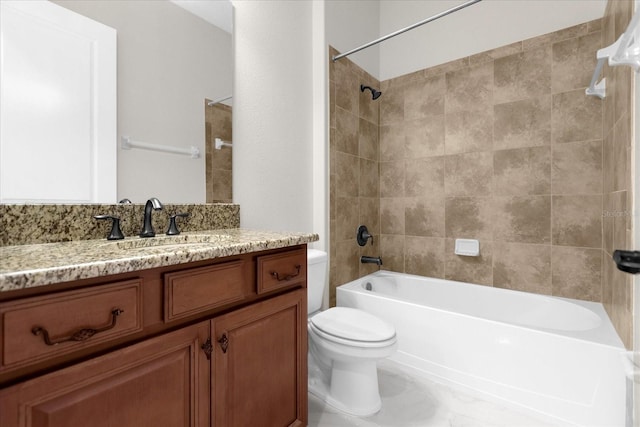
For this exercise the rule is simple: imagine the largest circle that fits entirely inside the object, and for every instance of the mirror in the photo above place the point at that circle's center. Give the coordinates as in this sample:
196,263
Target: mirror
170,63
219,152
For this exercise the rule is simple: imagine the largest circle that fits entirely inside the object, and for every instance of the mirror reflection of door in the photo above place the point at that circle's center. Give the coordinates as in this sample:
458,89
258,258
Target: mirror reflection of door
218,160
57,106
169,58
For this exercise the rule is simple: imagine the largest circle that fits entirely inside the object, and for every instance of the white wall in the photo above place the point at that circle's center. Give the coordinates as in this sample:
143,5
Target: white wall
477,28
273,114
320,83
169,61
352,23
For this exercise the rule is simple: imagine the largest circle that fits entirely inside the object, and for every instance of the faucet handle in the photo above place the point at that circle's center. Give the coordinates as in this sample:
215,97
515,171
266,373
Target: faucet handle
173,228
116,232
362,235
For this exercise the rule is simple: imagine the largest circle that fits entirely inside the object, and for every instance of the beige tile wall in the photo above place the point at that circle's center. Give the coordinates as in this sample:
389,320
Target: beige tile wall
504,147
512,156
617,290
354,181
218,162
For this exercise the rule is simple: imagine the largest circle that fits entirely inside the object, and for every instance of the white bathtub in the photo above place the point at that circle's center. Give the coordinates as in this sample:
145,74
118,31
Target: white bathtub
557,357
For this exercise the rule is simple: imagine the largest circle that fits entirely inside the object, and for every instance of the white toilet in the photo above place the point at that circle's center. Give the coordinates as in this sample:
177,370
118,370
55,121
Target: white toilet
344,347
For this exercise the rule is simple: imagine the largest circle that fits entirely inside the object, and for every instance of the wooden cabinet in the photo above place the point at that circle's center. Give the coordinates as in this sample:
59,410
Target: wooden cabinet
196,290
163,381
39,327
259,378
281,270
203,346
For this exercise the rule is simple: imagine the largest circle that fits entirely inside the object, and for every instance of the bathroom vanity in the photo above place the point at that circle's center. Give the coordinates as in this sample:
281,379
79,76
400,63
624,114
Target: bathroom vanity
176,333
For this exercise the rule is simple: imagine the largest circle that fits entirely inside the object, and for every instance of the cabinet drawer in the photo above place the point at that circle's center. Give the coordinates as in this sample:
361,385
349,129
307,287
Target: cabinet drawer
282,270
161,381
69,321
195,290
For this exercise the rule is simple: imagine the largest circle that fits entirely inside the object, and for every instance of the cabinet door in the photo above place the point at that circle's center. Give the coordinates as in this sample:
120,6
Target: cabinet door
260,364
163,381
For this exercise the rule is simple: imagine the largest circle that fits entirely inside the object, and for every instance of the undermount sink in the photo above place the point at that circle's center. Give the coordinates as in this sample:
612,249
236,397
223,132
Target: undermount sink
178,241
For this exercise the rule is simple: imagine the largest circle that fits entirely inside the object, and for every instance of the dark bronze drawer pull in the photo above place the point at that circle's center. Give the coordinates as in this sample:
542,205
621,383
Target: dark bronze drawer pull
80,335
287,277
207,348
224,343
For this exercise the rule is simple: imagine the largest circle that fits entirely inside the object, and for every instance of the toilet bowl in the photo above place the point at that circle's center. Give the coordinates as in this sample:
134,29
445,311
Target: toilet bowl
344,347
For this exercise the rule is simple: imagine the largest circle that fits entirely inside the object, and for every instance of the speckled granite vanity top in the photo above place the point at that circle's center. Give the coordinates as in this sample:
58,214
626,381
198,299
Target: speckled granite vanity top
27,266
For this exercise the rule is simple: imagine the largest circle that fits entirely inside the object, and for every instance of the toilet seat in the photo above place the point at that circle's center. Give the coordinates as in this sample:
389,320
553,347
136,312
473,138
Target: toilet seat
352,327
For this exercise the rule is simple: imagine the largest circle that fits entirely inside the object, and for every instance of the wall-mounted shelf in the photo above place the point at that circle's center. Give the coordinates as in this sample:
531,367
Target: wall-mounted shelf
625,51
126,143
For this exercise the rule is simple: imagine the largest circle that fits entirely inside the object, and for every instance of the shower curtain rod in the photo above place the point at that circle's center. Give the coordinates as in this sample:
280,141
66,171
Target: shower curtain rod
403,30
219,100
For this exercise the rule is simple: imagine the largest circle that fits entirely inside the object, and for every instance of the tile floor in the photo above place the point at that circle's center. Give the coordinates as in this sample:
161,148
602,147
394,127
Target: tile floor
409,400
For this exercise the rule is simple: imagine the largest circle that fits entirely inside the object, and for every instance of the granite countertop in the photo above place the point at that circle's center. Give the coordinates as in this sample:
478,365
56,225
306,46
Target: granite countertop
28,266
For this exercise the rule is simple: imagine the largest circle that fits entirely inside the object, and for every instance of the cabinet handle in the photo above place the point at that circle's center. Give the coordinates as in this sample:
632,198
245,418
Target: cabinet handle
224,343
287,277
207,348
81,334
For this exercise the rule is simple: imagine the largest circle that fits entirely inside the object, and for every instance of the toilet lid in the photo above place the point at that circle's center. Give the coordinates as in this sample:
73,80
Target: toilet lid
353,324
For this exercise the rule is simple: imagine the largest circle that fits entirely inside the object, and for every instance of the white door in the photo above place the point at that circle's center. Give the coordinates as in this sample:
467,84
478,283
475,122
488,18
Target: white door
57,106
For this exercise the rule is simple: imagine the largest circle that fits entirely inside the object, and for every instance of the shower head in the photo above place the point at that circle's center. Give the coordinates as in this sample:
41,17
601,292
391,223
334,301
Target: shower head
374,93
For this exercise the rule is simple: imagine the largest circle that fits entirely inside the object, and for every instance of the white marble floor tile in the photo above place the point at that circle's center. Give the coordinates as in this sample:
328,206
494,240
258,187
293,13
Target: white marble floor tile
411,400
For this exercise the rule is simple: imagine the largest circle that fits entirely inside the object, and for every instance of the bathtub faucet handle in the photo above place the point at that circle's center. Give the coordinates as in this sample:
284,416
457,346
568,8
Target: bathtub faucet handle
363,235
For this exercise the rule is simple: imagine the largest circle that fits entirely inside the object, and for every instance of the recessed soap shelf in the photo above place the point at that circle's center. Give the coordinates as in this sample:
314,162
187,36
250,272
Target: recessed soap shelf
467,247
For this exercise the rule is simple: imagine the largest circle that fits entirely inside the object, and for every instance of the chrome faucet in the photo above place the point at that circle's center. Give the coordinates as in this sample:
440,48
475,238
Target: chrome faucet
153,204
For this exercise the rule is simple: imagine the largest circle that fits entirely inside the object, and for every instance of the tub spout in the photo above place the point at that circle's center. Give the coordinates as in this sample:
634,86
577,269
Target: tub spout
370,260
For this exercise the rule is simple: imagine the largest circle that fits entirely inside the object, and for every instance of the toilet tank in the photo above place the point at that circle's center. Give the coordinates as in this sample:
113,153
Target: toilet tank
316,279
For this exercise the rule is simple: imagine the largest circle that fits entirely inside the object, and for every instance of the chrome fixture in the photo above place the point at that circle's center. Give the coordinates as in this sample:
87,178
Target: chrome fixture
403,30
153,204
